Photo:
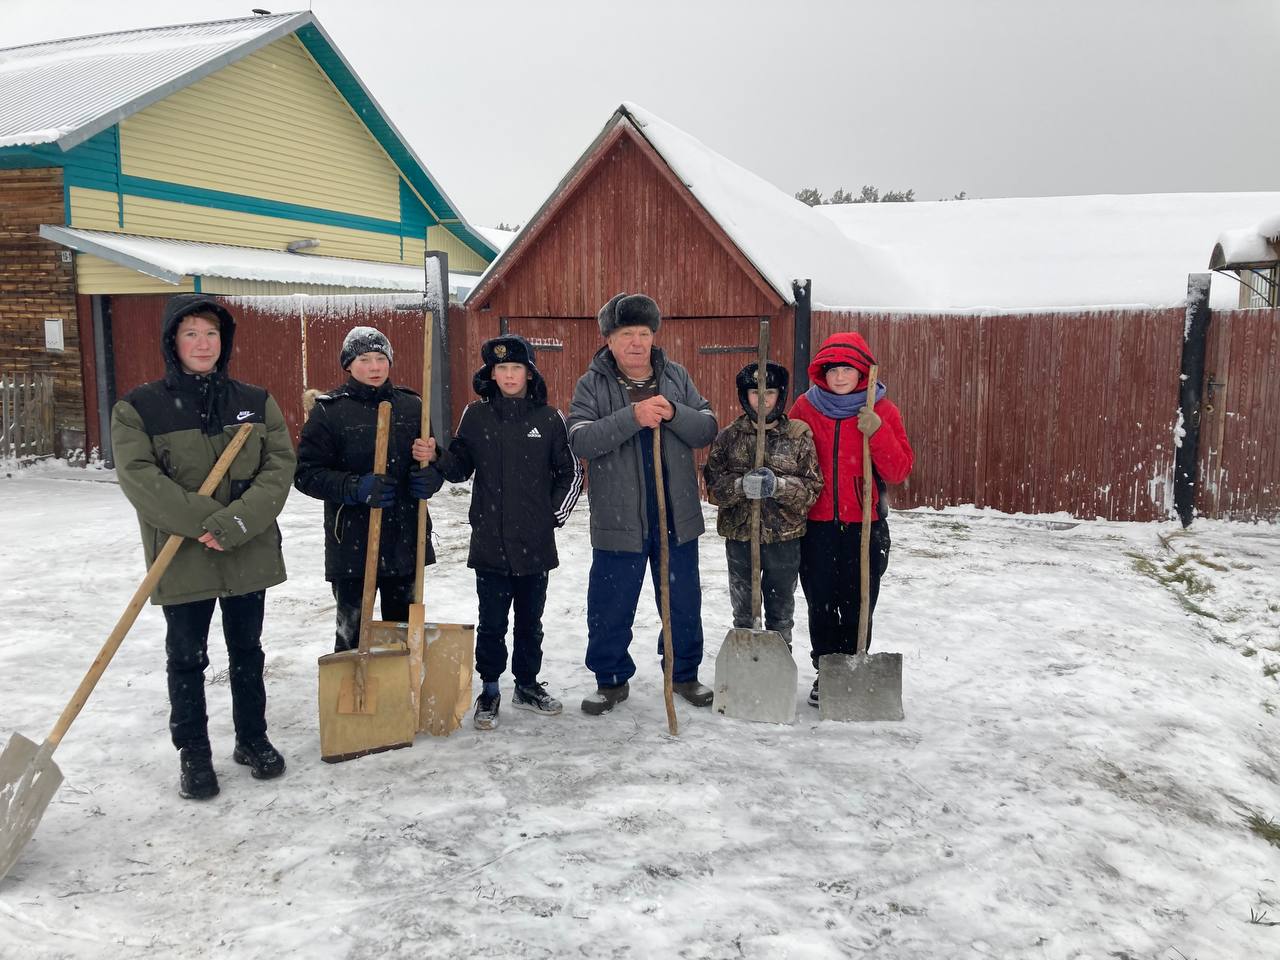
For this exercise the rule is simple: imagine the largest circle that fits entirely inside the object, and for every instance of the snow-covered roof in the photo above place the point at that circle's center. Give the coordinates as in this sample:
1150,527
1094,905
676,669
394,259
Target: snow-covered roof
172,260
65,91
498,239
1250,246
781,237
1053,252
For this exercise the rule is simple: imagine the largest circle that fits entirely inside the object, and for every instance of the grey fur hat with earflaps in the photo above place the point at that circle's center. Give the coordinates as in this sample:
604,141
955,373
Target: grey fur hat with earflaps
629,310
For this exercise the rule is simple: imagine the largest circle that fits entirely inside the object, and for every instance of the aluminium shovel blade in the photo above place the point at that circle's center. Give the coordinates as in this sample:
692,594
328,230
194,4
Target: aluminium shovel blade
28,780
864,686
755,677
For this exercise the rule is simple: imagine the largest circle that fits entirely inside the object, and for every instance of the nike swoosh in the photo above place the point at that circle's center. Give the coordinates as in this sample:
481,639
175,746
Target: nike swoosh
244,414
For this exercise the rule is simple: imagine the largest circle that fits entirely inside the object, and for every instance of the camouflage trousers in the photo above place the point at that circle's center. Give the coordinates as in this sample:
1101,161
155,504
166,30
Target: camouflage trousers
779,571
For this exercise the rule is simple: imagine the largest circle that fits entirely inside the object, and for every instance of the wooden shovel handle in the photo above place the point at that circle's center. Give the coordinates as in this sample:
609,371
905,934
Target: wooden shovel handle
158,566
375,529
864,608
664,583
424,431
762,366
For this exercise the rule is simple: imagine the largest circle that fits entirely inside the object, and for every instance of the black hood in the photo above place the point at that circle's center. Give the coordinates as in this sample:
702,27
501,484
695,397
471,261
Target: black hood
520,351
183,305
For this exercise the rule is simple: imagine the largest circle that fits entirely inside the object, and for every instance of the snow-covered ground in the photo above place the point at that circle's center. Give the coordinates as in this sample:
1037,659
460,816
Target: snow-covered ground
1091,719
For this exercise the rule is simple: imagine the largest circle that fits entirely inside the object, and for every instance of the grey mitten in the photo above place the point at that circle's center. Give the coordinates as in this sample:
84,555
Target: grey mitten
759,484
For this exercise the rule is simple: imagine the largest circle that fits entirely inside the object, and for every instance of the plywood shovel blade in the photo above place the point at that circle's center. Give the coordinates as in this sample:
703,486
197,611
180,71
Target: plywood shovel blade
448,660
28,780
755,677
866,686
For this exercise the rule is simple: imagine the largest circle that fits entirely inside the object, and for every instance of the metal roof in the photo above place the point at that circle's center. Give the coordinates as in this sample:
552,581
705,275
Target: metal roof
62,92
172,260
65,91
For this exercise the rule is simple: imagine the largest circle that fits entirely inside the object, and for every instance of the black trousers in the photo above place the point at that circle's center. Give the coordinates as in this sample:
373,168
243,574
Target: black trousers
779,568
396,595
498,592
830,573
186,645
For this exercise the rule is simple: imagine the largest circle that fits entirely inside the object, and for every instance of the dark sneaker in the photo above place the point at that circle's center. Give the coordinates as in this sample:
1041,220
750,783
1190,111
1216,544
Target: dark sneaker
262,759
813,694
696,693
534,697
486,715
604,699
197,780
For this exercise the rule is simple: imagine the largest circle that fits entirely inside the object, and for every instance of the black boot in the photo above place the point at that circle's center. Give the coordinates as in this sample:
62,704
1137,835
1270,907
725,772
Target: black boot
604,699
262,759
197,780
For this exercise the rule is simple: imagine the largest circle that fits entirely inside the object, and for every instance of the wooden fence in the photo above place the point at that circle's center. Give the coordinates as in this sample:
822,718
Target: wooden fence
26,416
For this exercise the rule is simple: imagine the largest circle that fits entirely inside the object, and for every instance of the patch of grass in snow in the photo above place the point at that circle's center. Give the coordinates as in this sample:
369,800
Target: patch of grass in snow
1270,707
1246,652
1271,669
1181,579
1264,827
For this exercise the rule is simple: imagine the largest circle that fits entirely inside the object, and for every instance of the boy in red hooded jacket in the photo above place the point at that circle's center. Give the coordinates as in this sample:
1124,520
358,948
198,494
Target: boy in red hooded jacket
830,553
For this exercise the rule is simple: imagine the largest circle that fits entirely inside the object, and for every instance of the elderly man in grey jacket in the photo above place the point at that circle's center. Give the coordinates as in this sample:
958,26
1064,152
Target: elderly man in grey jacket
630,390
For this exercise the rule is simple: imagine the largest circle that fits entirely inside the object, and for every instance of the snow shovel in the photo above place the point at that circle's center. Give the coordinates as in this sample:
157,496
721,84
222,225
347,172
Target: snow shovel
365,703
664,592
755,672
28,776
441,655
864,686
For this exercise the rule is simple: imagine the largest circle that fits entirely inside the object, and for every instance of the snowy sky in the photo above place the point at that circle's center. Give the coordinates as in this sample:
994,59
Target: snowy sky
993,97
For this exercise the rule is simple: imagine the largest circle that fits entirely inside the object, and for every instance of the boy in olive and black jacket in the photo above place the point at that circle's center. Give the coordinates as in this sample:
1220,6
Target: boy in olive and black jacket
165,438
527,481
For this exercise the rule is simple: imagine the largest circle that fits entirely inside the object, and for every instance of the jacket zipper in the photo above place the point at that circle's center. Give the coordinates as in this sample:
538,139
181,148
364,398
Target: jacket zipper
835,479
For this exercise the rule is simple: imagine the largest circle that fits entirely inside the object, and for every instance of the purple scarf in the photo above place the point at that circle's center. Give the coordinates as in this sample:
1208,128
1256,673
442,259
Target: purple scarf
841,407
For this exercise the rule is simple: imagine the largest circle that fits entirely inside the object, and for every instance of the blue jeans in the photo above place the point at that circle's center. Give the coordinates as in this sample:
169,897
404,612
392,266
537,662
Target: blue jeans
612,595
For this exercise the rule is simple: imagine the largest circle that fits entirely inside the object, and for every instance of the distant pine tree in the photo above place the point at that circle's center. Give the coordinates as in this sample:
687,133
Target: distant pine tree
809,196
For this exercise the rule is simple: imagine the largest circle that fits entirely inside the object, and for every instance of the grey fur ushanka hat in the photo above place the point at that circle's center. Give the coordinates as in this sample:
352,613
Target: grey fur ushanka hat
629,310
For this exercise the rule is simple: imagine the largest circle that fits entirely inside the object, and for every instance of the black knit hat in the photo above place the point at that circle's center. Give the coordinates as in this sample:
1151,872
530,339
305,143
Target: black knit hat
629,310
364,340
776,377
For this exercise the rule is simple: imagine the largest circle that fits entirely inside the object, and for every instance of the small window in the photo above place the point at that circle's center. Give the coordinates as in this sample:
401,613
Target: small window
1262,285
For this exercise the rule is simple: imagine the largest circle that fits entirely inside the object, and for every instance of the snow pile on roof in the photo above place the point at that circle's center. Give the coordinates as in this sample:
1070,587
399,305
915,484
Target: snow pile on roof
172,260
50,90
1250,245
499,239
1054,252
781,236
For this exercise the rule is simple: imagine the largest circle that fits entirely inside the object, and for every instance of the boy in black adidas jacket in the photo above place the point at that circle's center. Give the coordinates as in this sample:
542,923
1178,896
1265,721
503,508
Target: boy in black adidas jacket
526,483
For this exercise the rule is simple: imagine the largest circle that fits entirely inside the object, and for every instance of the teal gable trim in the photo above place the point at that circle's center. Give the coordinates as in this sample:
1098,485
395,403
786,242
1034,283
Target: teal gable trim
341,76
223,200
94,164
195,284
415,217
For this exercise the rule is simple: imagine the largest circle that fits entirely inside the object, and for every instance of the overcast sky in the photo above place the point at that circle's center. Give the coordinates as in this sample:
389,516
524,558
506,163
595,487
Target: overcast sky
997,98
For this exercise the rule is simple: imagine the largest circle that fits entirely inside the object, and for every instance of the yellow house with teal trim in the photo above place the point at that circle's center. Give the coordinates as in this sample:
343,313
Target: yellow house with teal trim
250,142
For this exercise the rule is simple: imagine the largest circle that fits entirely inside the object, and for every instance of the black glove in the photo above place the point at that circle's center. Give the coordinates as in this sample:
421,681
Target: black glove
371,490
424,481
759,484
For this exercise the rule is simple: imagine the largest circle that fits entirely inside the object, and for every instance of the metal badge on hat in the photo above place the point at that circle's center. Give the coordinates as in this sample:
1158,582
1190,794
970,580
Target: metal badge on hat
500,350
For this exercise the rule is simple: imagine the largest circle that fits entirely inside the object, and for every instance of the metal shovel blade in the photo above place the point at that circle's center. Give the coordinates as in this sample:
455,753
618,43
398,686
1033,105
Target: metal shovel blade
864,686
28,780
755,677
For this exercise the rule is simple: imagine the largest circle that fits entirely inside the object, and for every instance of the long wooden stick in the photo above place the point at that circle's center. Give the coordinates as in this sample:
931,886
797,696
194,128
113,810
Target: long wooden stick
762,364
419,578
158,566
371,558
864,608
664,577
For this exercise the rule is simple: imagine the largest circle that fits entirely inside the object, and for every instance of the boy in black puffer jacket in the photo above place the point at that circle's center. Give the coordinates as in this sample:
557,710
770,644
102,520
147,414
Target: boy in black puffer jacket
526,483
335,464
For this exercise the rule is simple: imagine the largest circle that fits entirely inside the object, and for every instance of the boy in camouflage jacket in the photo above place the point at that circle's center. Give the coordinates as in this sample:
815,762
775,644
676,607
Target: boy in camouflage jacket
787,486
